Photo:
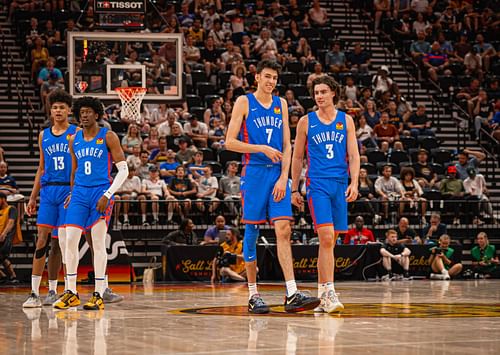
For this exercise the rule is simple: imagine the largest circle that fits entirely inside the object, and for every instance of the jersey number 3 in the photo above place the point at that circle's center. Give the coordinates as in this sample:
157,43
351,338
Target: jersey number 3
329,154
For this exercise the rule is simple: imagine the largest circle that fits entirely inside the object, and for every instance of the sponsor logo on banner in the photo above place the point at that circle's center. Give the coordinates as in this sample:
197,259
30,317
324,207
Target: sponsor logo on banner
124,6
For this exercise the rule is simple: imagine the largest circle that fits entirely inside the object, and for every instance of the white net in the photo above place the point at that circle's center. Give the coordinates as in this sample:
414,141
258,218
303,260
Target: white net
131,98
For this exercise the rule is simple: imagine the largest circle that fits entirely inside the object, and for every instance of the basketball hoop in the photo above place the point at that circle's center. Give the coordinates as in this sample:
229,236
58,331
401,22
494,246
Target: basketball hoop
131,98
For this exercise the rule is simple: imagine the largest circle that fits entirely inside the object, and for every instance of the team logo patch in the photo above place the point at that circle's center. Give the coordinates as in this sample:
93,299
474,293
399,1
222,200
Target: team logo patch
277,110
68,137
99,141
339,126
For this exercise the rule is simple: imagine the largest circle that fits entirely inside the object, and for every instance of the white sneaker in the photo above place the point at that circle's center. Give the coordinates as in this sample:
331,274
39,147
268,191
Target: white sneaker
438,277
33,301
330,302
51,298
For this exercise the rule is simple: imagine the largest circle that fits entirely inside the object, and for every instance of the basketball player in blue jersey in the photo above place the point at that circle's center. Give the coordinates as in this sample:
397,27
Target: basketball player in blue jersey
90,204
259,129
329,138
52,182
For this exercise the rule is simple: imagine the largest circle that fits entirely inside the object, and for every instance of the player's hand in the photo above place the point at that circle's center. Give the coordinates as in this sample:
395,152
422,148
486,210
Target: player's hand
273,154
31,207
352,192
279,190
102,204
297,199
67,200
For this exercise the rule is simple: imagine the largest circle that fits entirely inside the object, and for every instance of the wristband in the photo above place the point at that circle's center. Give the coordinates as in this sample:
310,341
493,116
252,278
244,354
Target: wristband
108,194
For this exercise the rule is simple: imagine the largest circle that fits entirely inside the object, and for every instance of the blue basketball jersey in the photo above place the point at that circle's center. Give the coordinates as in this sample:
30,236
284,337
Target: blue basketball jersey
56,156
262,126
327,147
94,160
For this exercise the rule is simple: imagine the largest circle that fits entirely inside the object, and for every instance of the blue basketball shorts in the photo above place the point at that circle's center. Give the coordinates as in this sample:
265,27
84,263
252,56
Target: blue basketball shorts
257,184
327,203
51,212
81,212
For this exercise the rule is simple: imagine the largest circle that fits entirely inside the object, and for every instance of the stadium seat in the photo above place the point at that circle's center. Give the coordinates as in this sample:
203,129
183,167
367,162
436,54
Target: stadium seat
428,142
307,102
380,167
316,44
440,155
413,152
303,75
193,100
398,156
286,78
445,82
375,155
408,142
309,32
209,99
321,56
216,167
281,89
326,33
228,155
438,168
294,66
298,90
57,50
223,78
198,111
205,88
365,80
370,168
208,154
199,76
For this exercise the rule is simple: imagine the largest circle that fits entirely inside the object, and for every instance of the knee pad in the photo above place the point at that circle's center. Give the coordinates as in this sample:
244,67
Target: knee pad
40,253
250,242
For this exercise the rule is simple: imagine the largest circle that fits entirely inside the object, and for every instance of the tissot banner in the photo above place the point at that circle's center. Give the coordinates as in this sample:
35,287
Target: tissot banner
122,6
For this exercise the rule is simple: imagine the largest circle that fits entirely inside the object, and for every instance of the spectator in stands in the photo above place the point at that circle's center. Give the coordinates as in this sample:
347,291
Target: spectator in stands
185,18
206,197
406,234
10,229
395,254
152,141
371,114
183,236
364,133
131,139
468,93
426,176
473,64
443,260
44,74
453,191
265,47
335,59
485,50
388,188
191,53
216,233
421,24
366,201
165,128
143,170
32,33
420,124
47,87
293,104
184,155
413,193
445,46
238,81
304,52
134,159
420,6
214,112
159,115
2,152
475,185
229,187
483,112
434,229
197,32
234,246
293,32
485,261
435,61
402,29
155,189
8,185
381,7
384,131
317,15
419,48
462,47
350,91
359,59
176,137
129,191
359,234
51,35
159,154
196,169
167,168
395,118
216,134
382,82
468,158
318,72
183,190
197,131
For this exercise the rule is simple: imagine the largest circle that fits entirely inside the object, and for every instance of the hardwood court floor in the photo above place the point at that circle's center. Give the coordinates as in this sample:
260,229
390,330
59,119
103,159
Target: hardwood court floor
406,317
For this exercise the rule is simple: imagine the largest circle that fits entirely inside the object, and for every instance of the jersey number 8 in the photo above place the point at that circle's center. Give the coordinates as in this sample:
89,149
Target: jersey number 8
88,168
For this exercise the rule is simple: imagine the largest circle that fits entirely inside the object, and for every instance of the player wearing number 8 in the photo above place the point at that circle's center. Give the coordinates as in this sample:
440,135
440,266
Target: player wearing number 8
92,150
329,138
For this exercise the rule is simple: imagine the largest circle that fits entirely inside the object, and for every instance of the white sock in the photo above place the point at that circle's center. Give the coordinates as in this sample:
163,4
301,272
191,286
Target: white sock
155,216
329,286
61,237
444,272
252,290
53,285
291,287
321,289
65,283
72,282
170,214
125,217
106,284
143,218
98,234
35,284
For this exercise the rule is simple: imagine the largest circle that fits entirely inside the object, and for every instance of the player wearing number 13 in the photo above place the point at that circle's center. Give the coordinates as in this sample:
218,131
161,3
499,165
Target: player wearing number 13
329,138
90,205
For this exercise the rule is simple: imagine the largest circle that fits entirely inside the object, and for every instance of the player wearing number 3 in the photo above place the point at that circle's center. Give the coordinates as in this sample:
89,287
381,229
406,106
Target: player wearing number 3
259,129
90,204
329,138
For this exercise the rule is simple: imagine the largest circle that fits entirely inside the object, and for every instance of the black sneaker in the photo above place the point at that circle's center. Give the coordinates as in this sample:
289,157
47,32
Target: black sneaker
300,301
257,305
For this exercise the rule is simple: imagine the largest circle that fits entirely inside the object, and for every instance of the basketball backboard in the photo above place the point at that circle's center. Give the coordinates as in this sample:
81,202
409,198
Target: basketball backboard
99,62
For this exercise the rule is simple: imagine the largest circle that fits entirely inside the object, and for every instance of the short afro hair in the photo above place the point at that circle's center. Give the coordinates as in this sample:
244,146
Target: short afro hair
88,101
60,95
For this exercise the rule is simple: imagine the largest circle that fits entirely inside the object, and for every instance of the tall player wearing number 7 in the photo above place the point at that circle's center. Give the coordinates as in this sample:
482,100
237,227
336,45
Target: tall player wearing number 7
328,136
89,207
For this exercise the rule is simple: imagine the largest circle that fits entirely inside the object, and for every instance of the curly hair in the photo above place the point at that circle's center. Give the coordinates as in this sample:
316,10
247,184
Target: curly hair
60,95
88,101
